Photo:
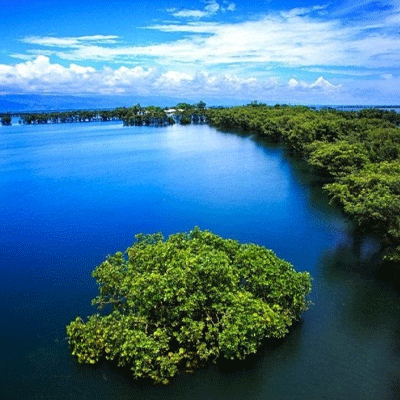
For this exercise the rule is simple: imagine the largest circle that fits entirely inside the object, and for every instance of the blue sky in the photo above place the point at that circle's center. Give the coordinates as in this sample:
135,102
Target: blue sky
306,52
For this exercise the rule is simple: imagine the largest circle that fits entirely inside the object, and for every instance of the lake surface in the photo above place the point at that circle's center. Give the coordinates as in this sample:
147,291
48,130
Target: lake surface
71,194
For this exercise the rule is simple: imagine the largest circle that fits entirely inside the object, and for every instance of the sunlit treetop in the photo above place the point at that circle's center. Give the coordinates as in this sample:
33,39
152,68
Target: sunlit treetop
183,302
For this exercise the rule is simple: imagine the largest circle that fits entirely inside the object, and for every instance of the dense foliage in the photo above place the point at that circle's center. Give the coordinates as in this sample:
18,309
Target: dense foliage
135,115
138,116
182,302
131,116
62,117
5,119
357,152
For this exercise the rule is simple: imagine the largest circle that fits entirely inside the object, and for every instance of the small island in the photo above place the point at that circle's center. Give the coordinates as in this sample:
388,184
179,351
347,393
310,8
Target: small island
177,304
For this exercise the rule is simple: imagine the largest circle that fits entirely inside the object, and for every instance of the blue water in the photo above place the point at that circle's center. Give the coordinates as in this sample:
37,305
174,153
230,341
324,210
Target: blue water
71,194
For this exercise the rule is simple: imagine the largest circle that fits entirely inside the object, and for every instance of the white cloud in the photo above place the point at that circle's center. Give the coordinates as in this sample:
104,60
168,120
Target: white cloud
293,83
347,71
41,75
387,76
173,78
188,13
211,8
321,84
301,11
238,54
231,7
292,39
50,41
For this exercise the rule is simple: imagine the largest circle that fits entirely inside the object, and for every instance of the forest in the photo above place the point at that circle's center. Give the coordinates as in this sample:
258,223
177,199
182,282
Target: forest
357,153
136,115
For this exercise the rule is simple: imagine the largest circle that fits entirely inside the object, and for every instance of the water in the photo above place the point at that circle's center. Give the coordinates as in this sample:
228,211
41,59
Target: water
394,108
71,194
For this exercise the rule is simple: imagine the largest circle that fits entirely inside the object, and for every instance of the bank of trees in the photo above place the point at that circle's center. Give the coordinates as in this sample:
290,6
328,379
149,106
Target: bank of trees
5,119
139,116
136,115
62,117
181,303
357,152
183,113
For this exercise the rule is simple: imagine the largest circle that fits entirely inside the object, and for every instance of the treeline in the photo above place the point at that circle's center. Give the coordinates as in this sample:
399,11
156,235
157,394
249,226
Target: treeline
182,113
357,152
5,119
137,115
62,117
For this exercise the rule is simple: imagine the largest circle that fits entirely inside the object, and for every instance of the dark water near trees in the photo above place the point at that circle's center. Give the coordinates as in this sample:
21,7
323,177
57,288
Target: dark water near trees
71,194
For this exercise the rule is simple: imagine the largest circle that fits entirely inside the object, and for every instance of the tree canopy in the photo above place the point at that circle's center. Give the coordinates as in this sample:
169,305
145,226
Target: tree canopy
5,119
183,302
358,152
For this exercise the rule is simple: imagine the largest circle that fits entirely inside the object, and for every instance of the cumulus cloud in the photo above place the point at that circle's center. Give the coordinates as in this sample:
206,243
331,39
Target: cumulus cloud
43,76
40,75
293,83
321,84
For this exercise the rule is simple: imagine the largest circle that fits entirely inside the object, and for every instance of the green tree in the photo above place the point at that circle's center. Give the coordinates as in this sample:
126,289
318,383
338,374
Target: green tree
337,159
6,119
184,106
358,151
201,105
184,302
371,197
185,119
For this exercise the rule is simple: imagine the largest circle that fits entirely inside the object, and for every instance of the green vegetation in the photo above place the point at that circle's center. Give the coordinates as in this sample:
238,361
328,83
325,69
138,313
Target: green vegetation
139,116
371,195
133,116
186,301
185,119
5,119
71,116
357,152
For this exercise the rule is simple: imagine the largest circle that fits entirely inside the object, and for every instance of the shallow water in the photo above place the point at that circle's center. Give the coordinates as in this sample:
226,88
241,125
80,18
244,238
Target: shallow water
71,194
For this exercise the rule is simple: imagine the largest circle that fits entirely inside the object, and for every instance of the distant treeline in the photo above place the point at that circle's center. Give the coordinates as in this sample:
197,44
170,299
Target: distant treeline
55,117
358,153
136,115
5,119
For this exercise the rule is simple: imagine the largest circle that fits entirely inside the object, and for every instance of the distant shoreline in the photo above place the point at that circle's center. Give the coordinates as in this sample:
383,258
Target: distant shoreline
343,107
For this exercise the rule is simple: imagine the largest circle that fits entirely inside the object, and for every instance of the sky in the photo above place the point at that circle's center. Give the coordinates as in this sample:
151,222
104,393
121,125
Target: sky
296,52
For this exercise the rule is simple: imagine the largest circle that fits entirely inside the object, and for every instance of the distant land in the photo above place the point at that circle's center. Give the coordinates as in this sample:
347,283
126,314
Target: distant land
37,102
41,102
